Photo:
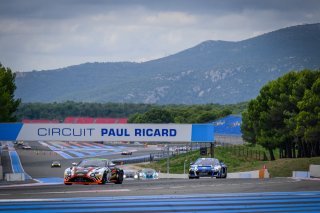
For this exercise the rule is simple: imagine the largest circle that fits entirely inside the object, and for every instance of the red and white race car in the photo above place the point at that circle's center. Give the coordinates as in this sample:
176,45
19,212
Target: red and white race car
93,171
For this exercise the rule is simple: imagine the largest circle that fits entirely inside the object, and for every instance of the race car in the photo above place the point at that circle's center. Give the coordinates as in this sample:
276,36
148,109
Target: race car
55,164
207,167
93,171
148,174
126,153
130,174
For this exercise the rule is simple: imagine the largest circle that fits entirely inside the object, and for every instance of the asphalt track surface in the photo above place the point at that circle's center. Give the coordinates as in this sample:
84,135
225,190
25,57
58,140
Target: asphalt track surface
163,195
37,161
158,187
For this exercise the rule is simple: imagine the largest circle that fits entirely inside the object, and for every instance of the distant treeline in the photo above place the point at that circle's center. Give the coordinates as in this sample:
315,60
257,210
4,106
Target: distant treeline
186,113
137,113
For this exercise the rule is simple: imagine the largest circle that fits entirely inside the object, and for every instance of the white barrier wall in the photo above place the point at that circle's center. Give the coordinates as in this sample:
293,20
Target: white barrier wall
314,171
15,177
300,174
250,174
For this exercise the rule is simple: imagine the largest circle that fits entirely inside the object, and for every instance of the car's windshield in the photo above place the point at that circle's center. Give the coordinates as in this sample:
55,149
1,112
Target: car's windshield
92,163
206,161
148,170
128,172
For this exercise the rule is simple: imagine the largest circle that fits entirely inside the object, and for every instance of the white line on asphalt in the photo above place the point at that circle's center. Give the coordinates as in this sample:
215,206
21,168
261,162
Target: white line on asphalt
28,184
75,192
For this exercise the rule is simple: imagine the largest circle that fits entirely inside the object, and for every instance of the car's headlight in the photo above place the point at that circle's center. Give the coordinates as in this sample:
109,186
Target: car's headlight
195,168
217,168
135,176
67,173
142,175
124,176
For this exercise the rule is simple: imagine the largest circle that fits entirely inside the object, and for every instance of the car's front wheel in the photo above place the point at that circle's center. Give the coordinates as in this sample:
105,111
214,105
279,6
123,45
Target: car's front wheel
119,178
225,173
104,178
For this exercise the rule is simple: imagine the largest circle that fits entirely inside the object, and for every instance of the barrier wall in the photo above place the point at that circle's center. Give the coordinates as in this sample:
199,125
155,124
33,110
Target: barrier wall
107,132
300,174
1,173
229,139
314,171
15,177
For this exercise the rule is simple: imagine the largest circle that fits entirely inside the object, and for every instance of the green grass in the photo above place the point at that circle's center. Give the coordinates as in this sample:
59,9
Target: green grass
284,167
239,159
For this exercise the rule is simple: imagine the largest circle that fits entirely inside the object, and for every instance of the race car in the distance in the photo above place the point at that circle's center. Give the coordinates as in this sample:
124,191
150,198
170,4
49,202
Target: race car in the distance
148,174
207,167
126,153
130,174
55,164
93,171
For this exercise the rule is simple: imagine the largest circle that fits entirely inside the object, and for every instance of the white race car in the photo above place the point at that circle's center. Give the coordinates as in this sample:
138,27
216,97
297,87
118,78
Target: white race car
93,171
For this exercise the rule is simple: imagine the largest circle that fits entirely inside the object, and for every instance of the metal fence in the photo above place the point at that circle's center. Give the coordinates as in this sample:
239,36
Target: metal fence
245,152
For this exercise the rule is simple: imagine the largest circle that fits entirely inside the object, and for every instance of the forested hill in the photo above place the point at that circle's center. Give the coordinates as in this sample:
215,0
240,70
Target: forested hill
211,72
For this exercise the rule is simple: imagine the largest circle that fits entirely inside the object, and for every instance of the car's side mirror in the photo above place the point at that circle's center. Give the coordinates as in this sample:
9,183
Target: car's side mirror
191,163
74,164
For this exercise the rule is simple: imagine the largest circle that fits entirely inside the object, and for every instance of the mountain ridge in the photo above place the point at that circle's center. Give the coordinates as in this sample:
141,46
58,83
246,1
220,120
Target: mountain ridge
210,72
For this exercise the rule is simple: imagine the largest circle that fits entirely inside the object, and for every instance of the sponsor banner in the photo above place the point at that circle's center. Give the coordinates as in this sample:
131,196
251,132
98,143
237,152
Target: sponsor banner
108,132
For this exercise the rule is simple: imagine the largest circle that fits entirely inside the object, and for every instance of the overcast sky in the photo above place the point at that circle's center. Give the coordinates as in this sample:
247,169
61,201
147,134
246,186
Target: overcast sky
50,34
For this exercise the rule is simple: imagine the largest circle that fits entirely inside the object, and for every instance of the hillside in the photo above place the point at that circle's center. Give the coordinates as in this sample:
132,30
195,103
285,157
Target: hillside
211,72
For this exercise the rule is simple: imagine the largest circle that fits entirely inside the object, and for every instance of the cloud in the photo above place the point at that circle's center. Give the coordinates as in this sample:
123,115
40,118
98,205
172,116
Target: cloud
43,34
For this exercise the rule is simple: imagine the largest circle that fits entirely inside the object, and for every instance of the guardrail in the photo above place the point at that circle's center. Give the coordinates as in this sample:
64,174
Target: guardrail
137,159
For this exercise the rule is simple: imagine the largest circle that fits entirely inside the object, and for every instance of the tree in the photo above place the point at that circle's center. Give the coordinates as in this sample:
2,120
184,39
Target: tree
248,125
308,120
158,116
286,115
206,116
8,105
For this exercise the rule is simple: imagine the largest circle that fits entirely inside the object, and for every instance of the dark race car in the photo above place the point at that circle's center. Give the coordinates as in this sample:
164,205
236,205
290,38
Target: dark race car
130,174
93,171
126,153
207,167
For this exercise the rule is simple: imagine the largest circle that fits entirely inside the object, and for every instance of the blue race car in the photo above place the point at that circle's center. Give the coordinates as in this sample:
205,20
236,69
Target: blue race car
207,167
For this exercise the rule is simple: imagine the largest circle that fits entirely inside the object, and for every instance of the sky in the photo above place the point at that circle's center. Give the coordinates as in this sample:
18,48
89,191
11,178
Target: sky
51,34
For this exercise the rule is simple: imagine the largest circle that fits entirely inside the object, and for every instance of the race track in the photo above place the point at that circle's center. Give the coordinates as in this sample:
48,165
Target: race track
163,195
159,187
239,202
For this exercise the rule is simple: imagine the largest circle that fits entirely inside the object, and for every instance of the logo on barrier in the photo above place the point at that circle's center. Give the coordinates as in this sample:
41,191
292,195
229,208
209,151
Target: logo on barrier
108,132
